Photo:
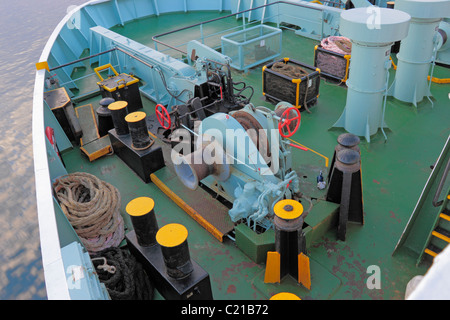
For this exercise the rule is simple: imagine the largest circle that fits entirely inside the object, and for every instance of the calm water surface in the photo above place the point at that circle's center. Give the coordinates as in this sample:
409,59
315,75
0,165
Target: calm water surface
25,26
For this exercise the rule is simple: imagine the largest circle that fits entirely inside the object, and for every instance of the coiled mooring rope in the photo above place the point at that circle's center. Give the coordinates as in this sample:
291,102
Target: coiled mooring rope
332,64
337,44
289,70
122,275
92,207
294,72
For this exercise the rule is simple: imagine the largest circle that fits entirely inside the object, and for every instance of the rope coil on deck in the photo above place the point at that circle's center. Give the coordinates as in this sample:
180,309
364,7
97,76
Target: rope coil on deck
294,72
337,44
289,70
332,64
92,207
122,275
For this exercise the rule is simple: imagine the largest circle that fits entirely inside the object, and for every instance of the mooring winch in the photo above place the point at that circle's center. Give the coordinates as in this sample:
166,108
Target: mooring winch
243,156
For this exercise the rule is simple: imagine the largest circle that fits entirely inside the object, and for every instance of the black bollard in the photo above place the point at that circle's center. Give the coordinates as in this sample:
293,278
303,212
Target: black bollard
345,141
138,130
118,113
142,214
289,240
174,247
105,122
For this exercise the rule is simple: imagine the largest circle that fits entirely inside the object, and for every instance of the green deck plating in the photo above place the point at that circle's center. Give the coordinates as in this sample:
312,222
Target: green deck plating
394,172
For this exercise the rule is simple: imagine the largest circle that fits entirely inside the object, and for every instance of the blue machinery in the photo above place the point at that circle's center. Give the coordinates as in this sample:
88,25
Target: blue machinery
250,182
419,49
372,33
250,168
253,170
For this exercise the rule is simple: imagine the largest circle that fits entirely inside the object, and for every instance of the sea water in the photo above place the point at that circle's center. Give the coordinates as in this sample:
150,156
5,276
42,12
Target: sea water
25,26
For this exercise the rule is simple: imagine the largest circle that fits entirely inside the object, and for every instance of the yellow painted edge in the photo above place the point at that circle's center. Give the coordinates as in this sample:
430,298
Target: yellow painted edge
437,80
183,205
262,78
297,92
304,272
441,236
152,135
393,64
97,154
42,65
104,67
347,57
95,121
315,48
272,274
120,86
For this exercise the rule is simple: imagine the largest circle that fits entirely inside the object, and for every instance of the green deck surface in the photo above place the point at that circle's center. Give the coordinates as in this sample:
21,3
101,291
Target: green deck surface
393,175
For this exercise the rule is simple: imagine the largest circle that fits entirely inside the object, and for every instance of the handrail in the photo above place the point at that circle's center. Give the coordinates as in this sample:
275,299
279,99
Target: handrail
437,203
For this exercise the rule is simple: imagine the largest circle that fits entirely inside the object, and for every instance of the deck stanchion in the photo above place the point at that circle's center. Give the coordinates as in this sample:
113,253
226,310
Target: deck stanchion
345,188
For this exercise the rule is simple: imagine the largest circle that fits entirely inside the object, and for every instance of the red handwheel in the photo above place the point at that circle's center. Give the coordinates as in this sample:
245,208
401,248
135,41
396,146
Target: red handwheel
285,122
163,116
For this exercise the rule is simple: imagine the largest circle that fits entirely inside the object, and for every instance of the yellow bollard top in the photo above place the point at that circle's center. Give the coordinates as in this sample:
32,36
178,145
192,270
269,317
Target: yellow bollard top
288,209
140,206
135,116
117,105
172,235
285,296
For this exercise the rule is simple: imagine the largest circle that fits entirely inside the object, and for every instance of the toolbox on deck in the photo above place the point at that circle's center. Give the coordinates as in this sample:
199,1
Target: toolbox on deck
120,87
291,81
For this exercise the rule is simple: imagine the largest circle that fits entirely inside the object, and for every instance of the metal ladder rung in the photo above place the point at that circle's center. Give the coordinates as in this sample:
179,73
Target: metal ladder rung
444,216
432,250
431,253
439,234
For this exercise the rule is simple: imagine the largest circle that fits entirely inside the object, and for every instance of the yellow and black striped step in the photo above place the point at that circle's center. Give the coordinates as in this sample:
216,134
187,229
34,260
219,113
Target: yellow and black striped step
432,250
